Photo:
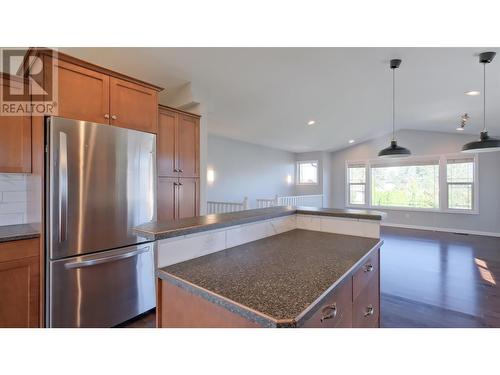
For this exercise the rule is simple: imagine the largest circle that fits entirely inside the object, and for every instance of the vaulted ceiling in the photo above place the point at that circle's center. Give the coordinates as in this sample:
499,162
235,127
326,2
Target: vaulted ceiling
268,95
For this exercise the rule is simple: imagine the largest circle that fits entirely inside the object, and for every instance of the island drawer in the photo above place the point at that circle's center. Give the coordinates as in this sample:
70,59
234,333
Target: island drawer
366,274
335,310
366,307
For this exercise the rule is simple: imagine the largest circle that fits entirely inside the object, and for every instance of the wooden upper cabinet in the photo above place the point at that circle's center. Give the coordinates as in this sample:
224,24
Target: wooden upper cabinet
15,134
178,143
133,106
92,93
82,94
166,143
188,146
19,284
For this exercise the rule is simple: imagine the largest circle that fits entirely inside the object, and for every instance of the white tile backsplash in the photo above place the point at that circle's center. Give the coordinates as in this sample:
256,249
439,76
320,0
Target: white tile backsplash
11,219
13,196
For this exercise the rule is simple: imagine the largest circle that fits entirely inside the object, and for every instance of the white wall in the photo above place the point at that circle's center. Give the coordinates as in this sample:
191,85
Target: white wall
310,189
429,143
13,198
244,169
324,175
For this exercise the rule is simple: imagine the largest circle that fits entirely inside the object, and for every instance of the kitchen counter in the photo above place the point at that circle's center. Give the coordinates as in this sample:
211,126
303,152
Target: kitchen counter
18,232
161,230
275,281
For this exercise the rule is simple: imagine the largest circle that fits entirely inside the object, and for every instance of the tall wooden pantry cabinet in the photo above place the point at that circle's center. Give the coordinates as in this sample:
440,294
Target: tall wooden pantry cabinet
178,154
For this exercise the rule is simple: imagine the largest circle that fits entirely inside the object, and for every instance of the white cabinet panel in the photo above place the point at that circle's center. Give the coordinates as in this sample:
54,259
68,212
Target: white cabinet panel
247,233
308,222
369,228
189,247
283,224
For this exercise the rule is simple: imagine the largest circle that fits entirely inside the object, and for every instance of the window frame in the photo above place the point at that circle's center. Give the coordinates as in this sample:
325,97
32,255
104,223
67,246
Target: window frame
297,165
474,185
348,184
443,182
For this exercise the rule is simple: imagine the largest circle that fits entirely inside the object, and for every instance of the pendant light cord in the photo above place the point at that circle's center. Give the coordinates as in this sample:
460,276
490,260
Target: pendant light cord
393,103
484,97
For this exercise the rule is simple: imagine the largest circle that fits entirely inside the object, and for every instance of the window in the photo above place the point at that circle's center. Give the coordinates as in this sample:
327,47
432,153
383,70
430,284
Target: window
414,186
307,172
445,183
357,184
460,183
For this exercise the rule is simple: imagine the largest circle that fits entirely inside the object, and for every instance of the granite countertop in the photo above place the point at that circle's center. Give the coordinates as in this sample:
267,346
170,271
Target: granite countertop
278,276
18,232
159,230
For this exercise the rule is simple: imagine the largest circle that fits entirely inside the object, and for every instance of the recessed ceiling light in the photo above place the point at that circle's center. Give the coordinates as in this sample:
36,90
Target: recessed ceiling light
473,93
460,129
351,140
312,122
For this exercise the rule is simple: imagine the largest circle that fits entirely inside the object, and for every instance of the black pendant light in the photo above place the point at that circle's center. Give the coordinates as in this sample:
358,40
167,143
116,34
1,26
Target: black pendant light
394,151
485,143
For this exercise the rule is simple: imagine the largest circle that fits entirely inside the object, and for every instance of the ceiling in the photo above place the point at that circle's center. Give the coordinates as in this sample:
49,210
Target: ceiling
267,95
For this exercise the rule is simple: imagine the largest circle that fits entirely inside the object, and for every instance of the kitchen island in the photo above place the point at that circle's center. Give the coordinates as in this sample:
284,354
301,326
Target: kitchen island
274,267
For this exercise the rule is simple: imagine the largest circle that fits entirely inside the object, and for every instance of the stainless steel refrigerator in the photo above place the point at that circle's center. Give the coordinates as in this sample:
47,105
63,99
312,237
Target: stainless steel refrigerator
100,184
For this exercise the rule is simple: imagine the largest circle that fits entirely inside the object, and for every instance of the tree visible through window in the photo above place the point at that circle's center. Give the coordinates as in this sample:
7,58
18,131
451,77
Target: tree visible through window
307,172
414,186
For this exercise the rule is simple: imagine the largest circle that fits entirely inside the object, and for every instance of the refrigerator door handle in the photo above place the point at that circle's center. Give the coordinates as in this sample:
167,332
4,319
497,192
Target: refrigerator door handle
93,262
63,186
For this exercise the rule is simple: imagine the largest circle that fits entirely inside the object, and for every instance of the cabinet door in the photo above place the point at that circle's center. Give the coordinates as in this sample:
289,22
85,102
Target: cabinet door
19,284
133,106
82,94
365,311
188,197
15,135
167,198
166,143
188,141
335,310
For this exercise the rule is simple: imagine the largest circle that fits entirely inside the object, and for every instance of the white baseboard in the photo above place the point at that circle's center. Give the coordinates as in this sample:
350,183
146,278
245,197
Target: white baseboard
437,229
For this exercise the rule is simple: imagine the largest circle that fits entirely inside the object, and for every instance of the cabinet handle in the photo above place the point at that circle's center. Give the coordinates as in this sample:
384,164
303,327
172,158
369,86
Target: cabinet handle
176,170
180,170
175,184
370,310
114,117
368,268
106,116
329,312
180,184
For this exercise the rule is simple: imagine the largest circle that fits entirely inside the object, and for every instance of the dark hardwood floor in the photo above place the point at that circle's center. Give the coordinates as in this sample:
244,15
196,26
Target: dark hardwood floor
437,279
146,320
430,279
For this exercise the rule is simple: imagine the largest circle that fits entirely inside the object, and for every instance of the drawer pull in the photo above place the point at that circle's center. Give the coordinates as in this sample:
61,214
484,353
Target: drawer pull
329,312
370,310
369,268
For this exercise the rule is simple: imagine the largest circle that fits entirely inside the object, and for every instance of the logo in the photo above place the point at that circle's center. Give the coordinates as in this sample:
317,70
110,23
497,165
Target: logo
29,83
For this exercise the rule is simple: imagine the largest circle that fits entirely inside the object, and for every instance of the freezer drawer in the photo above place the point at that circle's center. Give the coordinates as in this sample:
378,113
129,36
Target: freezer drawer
102,289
